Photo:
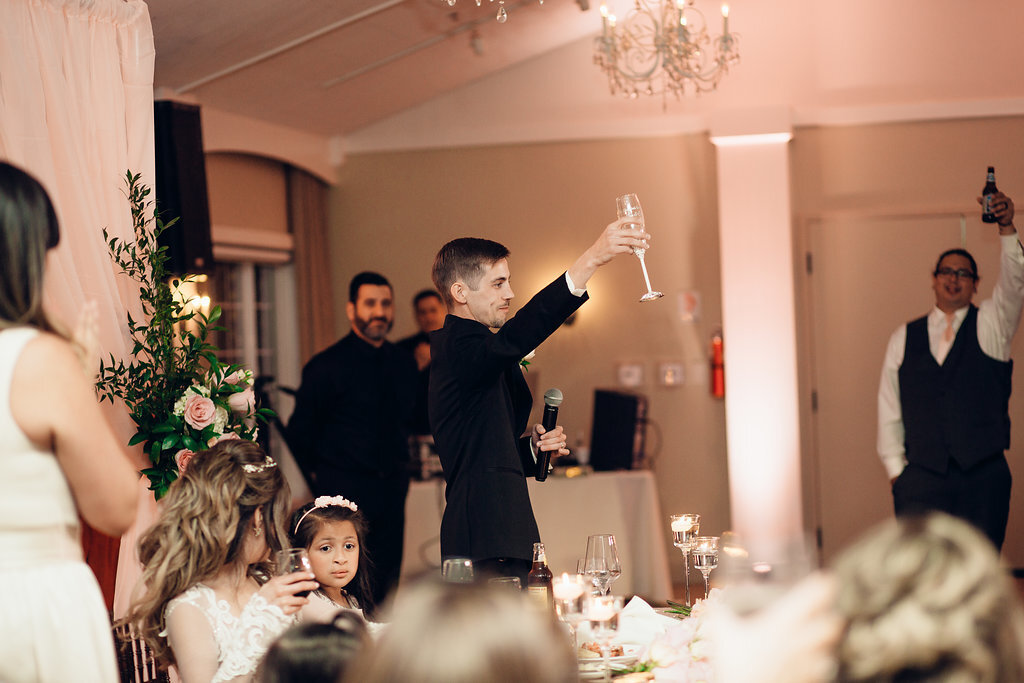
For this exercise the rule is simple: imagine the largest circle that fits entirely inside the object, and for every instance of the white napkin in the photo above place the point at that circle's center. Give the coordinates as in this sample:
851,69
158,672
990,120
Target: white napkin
639,623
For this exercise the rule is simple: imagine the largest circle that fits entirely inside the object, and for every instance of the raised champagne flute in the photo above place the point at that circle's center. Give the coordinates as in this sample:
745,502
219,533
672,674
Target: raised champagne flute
628,205
705,557
291,560
684,530
602,561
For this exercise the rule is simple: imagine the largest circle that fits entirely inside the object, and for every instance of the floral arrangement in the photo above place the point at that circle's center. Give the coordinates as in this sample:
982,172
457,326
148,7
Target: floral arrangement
180,396
681,654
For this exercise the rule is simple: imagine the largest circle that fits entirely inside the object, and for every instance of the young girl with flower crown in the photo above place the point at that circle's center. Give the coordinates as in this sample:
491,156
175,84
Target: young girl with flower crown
332,530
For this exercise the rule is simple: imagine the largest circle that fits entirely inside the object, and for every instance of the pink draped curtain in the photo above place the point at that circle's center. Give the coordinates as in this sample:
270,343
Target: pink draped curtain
76,110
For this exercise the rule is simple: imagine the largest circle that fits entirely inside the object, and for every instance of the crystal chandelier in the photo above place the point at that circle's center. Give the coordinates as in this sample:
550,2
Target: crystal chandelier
663,47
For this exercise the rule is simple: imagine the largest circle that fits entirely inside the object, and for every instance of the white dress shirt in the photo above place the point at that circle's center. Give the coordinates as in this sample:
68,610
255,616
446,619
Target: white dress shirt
998,319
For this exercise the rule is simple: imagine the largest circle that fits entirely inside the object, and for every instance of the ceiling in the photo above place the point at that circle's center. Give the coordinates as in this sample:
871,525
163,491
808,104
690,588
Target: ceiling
330,67
398,74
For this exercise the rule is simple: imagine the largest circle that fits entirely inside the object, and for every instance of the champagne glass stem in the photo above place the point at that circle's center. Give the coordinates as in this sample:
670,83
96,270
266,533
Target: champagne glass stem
606,665
647,278
686,566
705,573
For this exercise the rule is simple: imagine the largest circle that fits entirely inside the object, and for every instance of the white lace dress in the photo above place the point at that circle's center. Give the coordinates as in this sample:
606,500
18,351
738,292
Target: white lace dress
241,640
53,622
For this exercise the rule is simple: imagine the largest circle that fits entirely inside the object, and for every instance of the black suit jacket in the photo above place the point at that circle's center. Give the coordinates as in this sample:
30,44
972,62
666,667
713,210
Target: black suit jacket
479,409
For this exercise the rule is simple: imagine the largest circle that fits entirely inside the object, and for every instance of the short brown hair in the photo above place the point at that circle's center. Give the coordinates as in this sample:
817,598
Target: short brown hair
464,259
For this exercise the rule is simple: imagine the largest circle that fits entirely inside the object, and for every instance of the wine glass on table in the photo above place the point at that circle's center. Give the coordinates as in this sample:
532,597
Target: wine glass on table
602,614
684,530
291,560
569,592
705,557
602,563
628,206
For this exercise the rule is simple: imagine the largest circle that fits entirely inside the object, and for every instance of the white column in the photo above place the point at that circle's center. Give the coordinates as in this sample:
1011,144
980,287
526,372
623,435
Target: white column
759,331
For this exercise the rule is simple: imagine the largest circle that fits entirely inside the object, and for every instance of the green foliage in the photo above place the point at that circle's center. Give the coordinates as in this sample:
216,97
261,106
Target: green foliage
170,352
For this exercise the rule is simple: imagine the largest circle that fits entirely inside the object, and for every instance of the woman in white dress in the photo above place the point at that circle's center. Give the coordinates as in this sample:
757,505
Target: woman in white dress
58,459
209,607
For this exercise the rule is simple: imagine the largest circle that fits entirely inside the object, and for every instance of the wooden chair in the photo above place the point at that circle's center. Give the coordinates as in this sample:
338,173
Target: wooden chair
135,662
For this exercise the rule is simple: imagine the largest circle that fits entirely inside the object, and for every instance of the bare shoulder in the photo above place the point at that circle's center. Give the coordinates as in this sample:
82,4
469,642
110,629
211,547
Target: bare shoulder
48,355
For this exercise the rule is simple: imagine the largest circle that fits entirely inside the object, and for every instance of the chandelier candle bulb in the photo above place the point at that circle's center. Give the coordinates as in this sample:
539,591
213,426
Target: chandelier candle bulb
725,20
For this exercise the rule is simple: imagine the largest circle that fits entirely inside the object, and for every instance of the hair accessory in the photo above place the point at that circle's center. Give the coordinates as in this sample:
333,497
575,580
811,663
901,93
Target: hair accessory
268,463
257,532
327,501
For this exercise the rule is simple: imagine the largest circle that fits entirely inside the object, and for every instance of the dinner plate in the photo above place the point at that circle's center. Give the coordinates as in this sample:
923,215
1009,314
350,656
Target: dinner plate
591,668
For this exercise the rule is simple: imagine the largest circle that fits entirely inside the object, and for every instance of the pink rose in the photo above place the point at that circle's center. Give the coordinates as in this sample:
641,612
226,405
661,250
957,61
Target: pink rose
234,378
227,436
199,411
182,459
242,402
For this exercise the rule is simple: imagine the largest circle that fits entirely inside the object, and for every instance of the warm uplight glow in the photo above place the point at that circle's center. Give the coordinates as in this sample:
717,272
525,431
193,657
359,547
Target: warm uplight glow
761,401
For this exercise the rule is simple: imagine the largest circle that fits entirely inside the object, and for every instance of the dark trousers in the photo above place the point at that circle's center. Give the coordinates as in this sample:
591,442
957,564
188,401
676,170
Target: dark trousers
502,566
980,495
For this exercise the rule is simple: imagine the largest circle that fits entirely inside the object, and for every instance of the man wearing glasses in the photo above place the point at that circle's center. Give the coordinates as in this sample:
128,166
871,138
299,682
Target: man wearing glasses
943,418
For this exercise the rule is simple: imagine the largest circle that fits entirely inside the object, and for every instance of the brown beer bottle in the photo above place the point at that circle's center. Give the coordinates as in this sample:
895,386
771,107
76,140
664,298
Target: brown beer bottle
538,581
986,196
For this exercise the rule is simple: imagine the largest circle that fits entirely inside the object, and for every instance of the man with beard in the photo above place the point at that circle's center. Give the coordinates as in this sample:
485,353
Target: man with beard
943,400
349,432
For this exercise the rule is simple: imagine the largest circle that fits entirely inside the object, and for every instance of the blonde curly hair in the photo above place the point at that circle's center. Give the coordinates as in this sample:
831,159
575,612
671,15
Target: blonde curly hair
927,599
204,519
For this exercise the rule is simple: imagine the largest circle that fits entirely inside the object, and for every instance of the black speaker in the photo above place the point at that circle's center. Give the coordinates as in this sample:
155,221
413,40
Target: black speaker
181,187
620,427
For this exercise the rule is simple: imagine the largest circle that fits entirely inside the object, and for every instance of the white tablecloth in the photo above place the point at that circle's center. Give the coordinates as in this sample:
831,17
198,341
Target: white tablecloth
567,511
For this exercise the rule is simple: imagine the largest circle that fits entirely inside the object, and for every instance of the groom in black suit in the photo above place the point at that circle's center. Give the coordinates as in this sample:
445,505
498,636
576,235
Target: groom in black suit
479,403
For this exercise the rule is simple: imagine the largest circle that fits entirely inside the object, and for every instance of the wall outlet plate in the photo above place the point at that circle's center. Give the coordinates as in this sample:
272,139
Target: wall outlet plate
630,374
671,374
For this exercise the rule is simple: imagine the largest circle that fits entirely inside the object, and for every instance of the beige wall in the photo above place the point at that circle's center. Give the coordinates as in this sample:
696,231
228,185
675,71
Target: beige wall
391,211
547,203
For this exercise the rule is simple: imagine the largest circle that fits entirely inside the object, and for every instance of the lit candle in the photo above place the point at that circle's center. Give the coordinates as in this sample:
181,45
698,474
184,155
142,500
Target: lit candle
600,611
681,525
566,587
725,19
604,19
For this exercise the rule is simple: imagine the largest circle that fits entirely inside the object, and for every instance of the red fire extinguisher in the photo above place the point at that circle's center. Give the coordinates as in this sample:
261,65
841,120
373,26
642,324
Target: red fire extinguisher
717,366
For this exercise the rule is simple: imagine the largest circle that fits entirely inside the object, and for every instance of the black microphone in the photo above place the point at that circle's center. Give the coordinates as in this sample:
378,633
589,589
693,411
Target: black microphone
552,399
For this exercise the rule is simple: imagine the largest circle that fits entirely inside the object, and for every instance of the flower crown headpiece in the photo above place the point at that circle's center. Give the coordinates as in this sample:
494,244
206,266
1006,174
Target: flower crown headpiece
268,463
327,501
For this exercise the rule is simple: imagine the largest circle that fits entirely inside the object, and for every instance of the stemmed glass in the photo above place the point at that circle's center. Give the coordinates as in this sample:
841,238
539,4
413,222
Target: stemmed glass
291,560
602,613
684,530
569,592
705,557
602,561
628,205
